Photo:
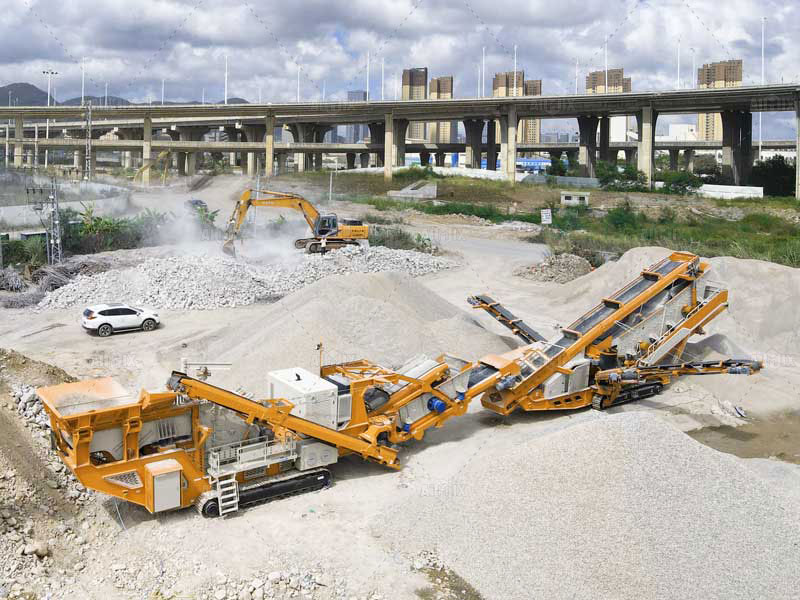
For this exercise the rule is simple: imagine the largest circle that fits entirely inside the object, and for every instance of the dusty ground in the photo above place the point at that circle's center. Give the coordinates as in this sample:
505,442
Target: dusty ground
127,553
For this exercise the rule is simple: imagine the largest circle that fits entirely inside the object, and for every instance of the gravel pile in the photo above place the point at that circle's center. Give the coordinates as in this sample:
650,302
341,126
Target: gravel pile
623,506
209,282
559,268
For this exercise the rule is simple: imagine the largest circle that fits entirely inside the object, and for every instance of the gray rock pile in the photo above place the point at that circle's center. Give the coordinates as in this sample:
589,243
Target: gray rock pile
194,282
667,514
29,406
292,583
559,268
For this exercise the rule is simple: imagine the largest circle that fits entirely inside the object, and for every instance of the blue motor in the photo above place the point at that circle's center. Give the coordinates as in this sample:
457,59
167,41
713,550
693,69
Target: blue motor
438,405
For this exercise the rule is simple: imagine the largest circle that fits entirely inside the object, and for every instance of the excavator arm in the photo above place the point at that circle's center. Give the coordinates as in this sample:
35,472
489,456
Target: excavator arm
269,199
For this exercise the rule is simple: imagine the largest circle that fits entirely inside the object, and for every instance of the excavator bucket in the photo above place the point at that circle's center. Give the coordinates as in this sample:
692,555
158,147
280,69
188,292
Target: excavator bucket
229,248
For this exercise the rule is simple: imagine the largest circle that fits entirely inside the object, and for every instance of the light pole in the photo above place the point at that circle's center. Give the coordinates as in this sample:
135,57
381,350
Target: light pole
162,92
605,54
367,75
483,71
694,70
106,98
298,82
226,79
763,81
576,76
383,64
203,96
49,73
679,62
515,70
83,78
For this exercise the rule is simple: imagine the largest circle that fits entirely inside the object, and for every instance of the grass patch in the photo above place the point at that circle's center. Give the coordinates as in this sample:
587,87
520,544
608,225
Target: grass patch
760,236
399,239
759,203
381,220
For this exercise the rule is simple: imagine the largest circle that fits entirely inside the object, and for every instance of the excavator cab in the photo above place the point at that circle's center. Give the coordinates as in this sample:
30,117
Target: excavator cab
326,225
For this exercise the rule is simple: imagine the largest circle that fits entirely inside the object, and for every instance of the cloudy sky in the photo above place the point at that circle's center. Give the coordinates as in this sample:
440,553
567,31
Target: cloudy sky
133,45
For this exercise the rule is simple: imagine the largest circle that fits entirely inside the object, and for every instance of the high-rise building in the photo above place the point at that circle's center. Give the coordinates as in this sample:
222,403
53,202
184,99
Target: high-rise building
358,131
503,86
441,132
415,87
617,82
727,73
532,128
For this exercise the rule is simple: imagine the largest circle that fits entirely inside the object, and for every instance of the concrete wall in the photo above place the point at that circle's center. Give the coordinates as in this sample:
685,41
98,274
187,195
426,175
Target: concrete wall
724,191
580,182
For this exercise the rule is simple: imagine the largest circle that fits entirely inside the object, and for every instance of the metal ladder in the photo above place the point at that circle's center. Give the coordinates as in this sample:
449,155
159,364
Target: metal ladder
227,495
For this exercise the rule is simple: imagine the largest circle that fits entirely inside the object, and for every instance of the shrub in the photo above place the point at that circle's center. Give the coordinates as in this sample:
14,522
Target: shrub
680,183
400,239
614,178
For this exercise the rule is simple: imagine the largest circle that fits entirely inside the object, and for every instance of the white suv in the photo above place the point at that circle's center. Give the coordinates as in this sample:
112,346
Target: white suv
105,319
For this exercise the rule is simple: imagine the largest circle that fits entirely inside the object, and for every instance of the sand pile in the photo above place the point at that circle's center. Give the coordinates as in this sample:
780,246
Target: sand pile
623,506
385,317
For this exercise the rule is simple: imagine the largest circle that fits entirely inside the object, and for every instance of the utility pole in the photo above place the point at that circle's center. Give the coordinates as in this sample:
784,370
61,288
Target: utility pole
763,81
515,70
367,75
49,73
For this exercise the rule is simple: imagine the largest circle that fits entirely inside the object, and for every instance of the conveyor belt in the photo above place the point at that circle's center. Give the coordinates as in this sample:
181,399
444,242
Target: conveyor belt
507,318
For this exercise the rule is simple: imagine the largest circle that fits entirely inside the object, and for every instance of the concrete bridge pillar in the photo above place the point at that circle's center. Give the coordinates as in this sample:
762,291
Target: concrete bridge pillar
737,146
630,156
147,140
181,158
424,158
251,164
388,146
491,145
351,160
473,128
281,158
673,159
377,132
509,137
190,166
587,149
92,164
399,138
364,158
605,151
647,134
19,134
688,160
439,159
269,145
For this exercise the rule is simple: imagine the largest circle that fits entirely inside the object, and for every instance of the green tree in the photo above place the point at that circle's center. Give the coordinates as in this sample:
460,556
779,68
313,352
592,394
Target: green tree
776,175
680,183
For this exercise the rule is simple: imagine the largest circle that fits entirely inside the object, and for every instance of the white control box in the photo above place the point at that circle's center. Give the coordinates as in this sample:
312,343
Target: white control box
314,398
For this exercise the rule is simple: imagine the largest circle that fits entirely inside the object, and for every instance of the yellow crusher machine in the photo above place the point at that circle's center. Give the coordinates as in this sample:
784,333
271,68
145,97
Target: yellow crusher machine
153,449
328,232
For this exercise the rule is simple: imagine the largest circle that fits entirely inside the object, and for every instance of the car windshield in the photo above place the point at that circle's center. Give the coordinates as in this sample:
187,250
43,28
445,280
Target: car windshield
136,309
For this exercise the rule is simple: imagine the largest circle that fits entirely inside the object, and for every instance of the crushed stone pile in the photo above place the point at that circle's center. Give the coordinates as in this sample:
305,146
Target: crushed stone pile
638,508
211,282
559,268
385,317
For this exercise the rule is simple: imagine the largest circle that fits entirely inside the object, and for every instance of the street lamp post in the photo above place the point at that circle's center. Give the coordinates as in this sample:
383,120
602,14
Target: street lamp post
49,73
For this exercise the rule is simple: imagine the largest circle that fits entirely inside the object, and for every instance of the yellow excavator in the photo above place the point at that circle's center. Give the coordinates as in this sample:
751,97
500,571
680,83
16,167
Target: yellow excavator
328,232
160,450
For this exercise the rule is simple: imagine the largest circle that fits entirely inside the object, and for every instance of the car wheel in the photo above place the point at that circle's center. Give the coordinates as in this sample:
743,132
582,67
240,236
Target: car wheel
105,330
148,325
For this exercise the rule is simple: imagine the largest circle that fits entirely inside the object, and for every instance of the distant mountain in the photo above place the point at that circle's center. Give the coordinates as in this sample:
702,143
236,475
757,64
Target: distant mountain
24,94
97,101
